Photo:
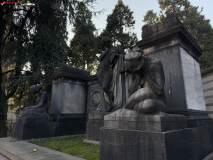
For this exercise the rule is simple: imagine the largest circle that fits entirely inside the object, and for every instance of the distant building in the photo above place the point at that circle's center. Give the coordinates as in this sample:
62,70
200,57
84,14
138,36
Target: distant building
207,80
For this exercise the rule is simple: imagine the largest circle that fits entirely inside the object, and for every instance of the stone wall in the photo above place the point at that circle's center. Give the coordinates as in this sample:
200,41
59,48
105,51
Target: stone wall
207,80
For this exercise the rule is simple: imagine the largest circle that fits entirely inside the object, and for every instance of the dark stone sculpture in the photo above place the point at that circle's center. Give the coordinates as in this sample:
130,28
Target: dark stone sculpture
147,73
41,109
109,74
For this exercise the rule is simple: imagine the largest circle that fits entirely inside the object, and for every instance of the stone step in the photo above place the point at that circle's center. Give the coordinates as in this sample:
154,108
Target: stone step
2,157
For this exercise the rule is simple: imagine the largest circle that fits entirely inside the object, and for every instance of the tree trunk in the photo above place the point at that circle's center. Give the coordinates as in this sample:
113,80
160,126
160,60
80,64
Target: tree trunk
3,128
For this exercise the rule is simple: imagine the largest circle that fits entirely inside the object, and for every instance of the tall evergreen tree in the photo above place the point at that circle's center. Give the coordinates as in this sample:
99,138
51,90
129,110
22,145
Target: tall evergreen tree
36,35
193,20
83,46
119,25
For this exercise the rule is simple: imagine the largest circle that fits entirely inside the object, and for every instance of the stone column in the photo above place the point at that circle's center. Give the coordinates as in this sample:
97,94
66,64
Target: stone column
179,53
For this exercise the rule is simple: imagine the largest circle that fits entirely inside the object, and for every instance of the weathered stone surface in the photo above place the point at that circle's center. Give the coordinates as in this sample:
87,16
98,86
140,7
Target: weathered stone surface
41,109
69,90
95,98
68,98
41,127
133,120
147,72
184,144
97,115
71,72
192,82
32,127
94,123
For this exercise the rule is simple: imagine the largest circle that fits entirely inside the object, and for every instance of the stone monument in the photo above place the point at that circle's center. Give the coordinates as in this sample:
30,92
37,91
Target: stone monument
164,118
34,121
69,100
111,85
147,73
68,107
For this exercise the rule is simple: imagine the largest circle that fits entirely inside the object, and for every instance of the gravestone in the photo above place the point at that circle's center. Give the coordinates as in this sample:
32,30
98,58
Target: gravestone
69,100
96,107
185,130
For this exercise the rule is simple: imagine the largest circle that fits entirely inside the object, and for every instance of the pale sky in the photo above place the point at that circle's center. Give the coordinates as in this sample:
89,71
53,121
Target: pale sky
139,7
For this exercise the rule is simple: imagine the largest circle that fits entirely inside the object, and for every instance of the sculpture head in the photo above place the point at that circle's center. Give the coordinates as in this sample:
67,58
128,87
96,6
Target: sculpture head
134,60
36,88
106,42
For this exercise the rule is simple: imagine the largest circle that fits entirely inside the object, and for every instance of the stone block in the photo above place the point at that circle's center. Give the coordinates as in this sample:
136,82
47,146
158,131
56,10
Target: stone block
94,123
133,120
184,144
32,127
41,127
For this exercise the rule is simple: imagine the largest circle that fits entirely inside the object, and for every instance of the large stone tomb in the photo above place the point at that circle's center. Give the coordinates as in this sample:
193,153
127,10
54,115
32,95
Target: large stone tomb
69,100
185,131
170,42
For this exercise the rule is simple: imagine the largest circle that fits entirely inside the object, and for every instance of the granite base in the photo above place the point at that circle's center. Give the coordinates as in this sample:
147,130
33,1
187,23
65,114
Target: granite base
32,127
184,144
128,134
40,127
133,120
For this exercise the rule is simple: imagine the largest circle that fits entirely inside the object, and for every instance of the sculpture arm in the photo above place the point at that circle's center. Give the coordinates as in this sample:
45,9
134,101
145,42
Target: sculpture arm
156,82
41,103
103,55
134,86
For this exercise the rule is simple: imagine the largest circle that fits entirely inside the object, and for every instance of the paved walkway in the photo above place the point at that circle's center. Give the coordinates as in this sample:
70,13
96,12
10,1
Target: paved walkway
2,157
12,149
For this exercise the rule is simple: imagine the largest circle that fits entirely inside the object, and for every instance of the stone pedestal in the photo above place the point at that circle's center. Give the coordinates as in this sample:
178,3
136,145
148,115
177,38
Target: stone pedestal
184,144
133,120
32,127
130,135
94,123
41,127
69,124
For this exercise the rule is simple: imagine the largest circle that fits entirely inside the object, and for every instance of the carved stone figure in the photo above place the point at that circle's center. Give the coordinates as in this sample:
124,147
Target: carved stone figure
147,80
110,75
41,109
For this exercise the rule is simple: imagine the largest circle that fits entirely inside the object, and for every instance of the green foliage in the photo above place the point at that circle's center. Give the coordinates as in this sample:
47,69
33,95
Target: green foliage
74,147
83,46
193,20
36,35
119,25
150,17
